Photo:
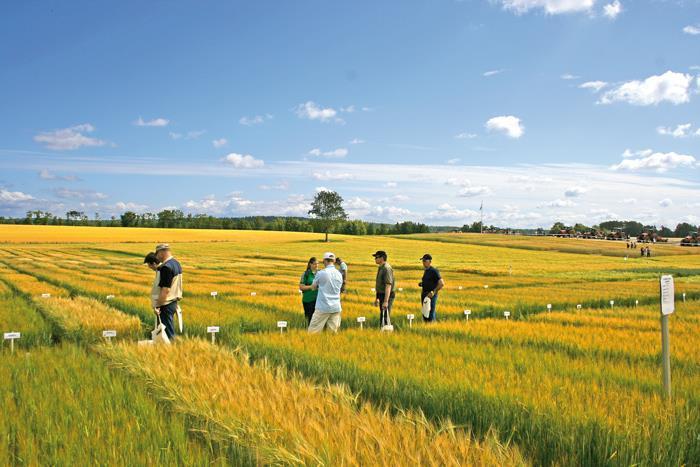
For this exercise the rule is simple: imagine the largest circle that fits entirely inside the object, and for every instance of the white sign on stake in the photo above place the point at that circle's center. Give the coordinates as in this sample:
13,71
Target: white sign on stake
578,307
668,305
361,320
460,287
400,289
46,295
684,296
213,330
214,294
11,336
109,297
109,333
612,303
410,317
549,307
373,290
281,325
636,303
467,313
486,286
253,294
506,314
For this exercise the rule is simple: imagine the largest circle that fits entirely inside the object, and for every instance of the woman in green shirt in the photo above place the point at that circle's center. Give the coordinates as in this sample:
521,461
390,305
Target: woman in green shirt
308,296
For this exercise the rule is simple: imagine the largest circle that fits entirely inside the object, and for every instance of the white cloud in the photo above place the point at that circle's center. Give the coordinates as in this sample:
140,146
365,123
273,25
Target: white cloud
448,212
666,202
327,175
465,135
575,191
357,141
284,185
189,135
558,203
472,191
311,111
681,131
357,204
320,189
219,143
246,161
255,120
155,122
334,154
507,124
66,193
650,160
453,161
596,86
391,184
45,174
492,72
68,138
551,7
669,87
692,30
629,201
10,198
612,10
349,109
569,76
130,206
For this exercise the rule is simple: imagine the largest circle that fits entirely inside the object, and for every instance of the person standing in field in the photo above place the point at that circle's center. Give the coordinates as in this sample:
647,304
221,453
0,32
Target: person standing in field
328,282
152,262
309,295
169,288
430,286
384,287
343,268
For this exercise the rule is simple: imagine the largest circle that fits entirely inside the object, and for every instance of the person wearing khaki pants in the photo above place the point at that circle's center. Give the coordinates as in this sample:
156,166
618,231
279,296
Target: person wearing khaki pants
328,282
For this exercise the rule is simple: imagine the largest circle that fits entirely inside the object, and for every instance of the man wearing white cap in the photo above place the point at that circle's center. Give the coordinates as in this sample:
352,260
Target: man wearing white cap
328,282
169,288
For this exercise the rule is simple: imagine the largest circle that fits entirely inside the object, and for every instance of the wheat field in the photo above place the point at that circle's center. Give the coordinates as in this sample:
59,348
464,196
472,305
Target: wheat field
575,384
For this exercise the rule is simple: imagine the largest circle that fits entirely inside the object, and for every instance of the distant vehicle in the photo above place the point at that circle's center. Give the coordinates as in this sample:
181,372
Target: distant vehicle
593,234
693,239
651,237
617,234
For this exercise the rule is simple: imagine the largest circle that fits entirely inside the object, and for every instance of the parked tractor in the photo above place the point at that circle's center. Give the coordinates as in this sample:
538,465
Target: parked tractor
693,239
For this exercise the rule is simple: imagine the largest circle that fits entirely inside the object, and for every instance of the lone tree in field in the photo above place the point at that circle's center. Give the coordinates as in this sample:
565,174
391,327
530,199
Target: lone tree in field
327,211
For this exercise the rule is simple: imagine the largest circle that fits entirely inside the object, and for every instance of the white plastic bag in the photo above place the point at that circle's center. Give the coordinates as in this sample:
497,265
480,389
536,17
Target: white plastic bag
426,307
179,317
158,335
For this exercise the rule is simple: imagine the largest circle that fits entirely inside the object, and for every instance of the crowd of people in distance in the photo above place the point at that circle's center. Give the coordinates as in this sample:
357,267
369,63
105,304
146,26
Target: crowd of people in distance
645,251
322,291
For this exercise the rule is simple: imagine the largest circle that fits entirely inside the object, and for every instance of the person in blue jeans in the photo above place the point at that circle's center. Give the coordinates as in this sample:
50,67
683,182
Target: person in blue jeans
430,286
169,288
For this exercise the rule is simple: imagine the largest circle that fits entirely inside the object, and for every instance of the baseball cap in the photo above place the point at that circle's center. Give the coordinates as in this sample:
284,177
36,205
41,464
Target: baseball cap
162,246
380,253
426,257
328,255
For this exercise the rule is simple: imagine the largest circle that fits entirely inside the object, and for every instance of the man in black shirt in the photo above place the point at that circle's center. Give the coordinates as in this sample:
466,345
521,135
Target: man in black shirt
431,284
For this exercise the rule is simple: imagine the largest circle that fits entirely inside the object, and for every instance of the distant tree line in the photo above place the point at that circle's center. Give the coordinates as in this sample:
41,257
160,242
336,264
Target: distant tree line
175,218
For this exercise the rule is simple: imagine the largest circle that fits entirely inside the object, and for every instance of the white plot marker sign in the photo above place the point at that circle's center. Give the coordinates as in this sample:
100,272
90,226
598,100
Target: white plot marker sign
361,320
410,318
108,334
109,297
46,295
612,303
549,307
282,325
214,294
668,306
683,297
467,313
506,314
213,330
253,294
578,307
11,336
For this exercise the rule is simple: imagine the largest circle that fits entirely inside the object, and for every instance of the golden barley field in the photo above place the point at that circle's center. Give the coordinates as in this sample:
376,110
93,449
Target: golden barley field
578,383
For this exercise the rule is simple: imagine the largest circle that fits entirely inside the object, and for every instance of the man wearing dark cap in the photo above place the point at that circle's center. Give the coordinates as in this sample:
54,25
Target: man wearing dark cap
430,286
385,290
170,288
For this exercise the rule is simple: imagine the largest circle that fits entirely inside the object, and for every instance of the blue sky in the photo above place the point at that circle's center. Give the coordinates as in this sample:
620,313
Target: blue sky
573,110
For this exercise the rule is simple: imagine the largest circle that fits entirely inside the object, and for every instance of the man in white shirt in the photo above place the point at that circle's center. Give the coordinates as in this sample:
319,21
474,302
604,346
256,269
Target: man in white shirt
328,282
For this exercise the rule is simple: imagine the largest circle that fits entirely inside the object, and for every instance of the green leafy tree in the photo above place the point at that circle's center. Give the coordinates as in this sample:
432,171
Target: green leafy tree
327,211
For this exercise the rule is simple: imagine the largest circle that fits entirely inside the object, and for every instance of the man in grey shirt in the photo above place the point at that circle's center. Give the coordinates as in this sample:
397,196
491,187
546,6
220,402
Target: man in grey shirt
328,282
